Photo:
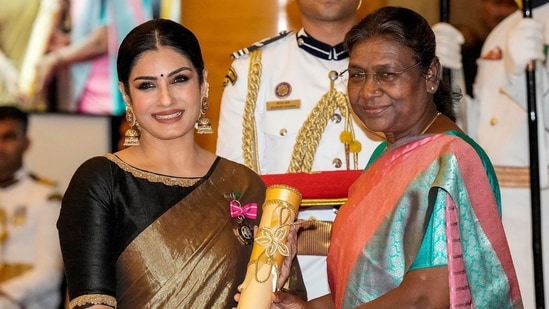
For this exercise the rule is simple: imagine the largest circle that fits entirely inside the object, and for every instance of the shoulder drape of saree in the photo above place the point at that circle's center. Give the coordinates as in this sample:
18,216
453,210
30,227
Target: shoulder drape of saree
190,257
388,206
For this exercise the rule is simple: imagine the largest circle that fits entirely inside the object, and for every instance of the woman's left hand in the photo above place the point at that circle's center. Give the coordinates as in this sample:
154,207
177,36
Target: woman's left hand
291,243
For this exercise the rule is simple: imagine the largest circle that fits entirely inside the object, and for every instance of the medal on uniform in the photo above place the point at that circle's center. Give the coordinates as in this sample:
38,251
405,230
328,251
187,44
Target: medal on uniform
244,232
283,90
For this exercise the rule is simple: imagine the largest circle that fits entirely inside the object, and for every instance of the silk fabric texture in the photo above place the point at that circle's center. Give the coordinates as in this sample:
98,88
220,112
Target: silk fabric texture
378,232
148,241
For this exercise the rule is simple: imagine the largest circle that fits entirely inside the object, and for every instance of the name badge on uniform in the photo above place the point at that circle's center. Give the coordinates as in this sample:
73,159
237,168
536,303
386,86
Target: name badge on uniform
286,104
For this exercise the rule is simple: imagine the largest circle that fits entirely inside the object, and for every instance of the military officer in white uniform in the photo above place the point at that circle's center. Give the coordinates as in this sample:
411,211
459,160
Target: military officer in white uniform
31,267
267,118
501,128
497,118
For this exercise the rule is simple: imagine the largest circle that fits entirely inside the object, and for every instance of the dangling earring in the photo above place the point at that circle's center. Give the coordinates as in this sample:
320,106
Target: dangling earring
203,124
131,137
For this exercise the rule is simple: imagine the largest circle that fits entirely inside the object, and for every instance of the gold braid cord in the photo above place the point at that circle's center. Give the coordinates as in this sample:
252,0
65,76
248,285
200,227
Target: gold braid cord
93,299
249,138
270,246
272,239
311,132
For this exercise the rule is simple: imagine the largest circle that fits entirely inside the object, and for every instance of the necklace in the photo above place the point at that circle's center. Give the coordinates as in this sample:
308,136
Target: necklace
430,123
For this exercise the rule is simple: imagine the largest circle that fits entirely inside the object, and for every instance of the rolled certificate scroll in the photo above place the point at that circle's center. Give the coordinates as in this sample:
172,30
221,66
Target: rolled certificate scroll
279,212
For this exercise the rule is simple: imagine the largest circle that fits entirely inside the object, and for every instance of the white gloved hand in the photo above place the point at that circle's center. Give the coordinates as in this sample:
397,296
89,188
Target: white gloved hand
524,44
449,41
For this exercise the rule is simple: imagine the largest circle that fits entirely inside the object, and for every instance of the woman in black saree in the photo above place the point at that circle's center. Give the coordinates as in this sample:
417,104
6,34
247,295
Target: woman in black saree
162,223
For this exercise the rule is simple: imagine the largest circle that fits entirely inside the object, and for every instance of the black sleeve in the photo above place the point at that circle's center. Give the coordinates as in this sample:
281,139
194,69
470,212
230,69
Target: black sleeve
86,227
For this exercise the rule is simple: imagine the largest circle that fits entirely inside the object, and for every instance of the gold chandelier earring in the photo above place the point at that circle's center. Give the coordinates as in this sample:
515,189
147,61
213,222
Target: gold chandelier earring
131,136
203,124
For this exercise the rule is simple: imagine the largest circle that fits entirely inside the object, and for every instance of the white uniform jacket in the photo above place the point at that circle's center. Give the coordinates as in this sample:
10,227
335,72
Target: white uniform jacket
29,209
498,117
284,61
305,75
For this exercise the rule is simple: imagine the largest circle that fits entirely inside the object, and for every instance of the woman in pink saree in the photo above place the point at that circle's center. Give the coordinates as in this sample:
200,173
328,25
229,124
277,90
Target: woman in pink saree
421,227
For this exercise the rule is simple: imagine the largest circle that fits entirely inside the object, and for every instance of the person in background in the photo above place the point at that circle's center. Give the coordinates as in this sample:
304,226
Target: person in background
458,48
491,13
498,119
421,227
464,59
86,54
18,33
151,225
292,117
31,268
97,27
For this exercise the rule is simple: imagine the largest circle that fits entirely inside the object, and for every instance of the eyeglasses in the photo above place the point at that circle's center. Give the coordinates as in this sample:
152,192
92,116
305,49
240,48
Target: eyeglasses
355,78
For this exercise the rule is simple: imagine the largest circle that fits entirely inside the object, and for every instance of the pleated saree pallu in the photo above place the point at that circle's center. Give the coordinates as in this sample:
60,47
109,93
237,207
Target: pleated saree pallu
379,231
190,256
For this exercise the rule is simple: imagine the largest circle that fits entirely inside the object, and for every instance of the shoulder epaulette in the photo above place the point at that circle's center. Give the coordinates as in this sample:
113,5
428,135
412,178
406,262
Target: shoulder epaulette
57,197
42,180
230,77
254,46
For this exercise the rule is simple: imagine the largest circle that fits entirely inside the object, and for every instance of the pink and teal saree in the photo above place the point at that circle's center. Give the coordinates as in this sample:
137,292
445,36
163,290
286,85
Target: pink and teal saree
429,201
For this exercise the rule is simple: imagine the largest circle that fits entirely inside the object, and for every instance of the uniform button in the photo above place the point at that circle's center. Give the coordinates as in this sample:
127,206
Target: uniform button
337,163
336,118
283,132
333,75
493,121
299,41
